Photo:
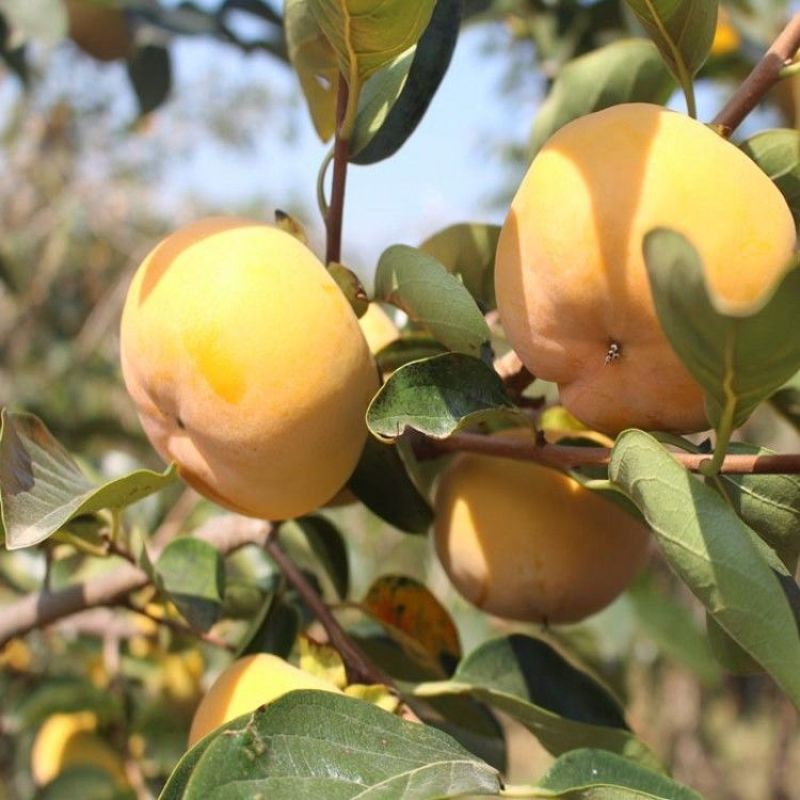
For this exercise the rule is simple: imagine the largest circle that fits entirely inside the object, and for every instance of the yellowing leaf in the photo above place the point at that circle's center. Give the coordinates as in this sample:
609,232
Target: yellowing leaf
408,606
323,661
377,694
316,65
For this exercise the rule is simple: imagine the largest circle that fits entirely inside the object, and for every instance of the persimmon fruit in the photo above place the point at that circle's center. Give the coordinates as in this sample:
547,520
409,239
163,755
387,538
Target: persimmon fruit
247,367
571,282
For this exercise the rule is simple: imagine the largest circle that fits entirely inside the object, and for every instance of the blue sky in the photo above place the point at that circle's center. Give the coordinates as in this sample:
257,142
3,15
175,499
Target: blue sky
447,172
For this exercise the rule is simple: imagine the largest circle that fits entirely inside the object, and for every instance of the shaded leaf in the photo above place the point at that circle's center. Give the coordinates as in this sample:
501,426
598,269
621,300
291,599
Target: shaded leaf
605,776
192,573
419,285
150,74
406,349
468,250
42,488
409,606
627,71
308,745
769,504
730,655
438,396
787,400
672,627
738,360
327,545
273,630
381,481
406,97
777,152
315,63
558,703
714,553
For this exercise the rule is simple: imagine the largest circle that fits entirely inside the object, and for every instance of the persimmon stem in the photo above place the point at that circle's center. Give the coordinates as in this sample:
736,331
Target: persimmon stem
359,668
334,217
763,77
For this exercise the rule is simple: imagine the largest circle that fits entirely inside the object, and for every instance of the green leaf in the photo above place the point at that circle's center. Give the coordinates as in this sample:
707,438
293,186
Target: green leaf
43,20
602,775
627,71
87,783
712,550
315,63
350,286
558,703
419,285
438,396
309,744
787,400
192,573
366,35
398,105
378,97
327,546
769,504
381,481
42,488
734,658
777,152
683,31
406,349
274,629
673,628
150,74
738,360
468,250
60,694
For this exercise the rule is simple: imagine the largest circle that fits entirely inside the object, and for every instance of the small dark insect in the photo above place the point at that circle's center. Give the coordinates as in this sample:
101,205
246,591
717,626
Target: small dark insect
613,353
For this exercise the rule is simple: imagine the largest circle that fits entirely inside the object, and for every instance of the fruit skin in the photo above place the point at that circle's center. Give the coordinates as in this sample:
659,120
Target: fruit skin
570,275
245,685
527,542
99,30
247,367
69,740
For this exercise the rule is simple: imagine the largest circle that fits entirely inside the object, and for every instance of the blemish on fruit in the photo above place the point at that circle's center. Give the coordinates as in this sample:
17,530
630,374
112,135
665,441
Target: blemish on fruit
613,353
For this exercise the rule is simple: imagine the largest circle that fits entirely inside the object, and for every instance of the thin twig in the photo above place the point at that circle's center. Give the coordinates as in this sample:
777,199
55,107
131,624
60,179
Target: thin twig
764,76
178,627
341,150
359,668
40,609
572,456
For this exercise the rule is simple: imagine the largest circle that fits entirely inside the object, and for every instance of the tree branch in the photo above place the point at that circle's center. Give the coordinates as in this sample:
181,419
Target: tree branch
40,609
566,456
764,76
359,668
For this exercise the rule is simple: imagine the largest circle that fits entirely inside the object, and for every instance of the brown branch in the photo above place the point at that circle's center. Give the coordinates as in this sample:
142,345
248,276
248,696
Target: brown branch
764,76
341,152
40,609
359,668
178,627
572,456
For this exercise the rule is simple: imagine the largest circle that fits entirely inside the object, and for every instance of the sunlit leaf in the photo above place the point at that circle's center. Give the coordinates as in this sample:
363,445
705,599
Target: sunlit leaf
42,488
438,396
714,553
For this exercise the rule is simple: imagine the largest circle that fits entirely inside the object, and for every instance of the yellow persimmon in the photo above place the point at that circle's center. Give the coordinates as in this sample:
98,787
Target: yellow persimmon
572,288
245,685
527,542
247,367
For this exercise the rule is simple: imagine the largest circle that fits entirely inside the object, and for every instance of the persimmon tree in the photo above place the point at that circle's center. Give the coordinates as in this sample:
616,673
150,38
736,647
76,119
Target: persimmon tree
176,589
